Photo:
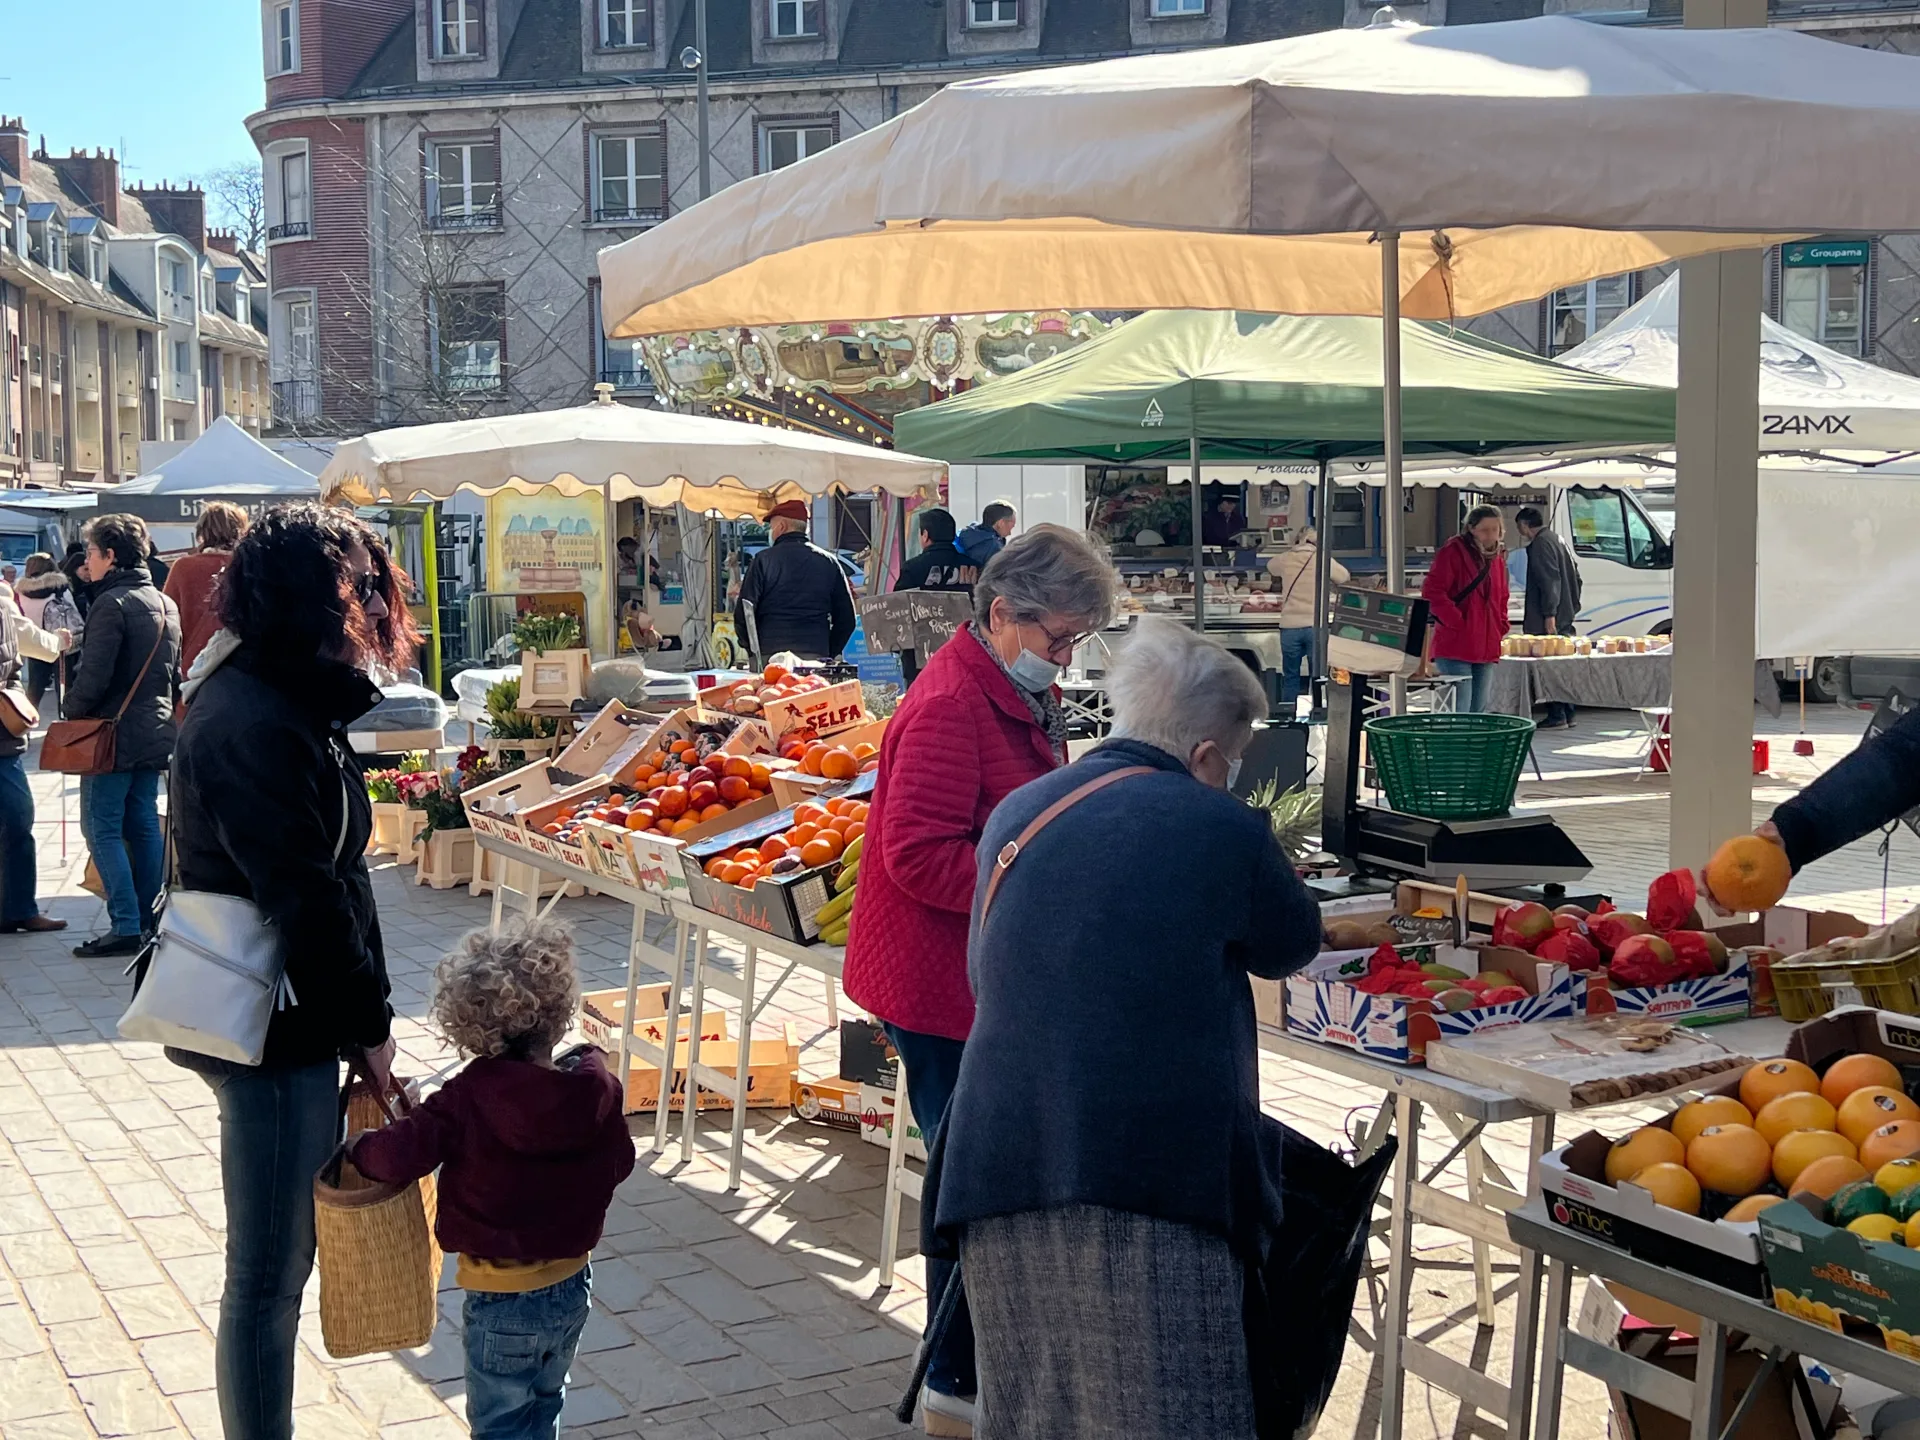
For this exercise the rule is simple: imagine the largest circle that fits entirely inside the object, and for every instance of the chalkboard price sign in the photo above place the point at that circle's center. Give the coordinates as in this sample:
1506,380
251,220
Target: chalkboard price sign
920,621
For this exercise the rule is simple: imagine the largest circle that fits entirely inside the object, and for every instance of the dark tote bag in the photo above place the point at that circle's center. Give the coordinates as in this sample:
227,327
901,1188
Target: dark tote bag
1297,1306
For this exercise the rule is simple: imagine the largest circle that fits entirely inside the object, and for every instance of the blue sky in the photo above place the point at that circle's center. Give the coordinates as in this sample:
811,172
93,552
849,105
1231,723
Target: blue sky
167,85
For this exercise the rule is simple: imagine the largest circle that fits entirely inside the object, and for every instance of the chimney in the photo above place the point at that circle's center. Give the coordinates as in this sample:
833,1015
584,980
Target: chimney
13,145
95,180
178,210
226,242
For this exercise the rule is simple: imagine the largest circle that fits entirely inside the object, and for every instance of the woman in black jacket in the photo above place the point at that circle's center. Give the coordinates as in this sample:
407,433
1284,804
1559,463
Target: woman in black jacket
128,672
269,804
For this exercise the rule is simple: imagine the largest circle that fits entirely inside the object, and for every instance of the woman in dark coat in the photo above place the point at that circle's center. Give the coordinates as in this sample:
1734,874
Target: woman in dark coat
1103,1233
269,804
129,670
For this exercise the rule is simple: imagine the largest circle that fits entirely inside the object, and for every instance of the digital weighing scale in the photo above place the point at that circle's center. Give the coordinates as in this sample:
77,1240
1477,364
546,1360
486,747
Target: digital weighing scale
1522,853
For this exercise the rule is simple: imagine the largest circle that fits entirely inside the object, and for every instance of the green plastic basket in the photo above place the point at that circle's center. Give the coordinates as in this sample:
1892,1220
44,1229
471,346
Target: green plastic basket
1449,767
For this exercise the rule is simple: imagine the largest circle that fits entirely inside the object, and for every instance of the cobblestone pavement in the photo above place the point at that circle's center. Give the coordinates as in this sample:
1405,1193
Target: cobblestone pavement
751,1314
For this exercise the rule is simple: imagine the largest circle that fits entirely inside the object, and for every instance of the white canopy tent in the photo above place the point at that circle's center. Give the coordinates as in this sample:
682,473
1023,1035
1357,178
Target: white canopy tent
224,463
712,467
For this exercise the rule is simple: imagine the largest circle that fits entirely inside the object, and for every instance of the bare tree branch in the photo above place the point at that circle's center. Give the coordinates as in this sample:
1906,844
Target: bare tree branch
239,194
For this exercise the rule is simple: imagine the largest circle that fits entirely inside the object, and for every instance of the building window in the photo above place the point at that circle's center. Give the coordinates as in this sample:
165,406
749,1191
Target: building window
463,184
784,145
286,39
459,30
97,263
993,14
177,277
1177,9
626,24
793,19
182,357
467,330
1577,312
630,177
618,363
296,212
1824,300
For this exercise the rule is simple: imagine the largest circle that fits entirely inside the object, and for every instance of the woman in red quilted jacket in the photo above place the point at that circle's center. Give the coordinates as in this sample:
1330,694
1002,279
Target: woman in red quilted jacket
1466,593
979,722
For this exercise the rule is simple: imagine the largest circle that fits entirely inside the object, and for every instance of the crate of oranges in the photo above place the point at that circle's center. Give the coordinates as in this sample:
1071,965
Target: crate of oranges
818,767
777,874
637,837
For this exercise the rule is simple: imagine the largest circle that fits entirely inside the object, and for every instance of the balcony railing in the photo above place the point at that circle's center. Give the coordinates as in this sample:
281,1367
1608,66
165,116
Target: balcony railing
35,361
629,215
623,376
295,400
486,218
290,230
466,381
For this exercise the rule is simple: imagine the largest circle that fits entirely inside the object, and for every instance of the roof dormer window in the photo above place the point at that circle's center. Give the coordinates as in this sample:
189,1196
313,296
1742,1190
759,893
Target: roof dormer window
793,19
459,29
992,14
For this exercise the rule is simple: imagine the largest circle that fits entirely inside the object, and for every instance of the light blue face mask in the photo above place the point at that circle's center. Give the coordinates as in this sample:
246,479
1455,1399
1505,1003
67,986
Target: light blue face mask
1032,672
1233,772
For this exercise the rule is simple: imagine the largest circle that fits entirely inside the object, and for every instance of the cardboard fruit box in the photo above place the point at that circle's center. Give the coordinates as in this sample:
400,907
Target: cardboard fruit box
782,905
792,787
651,861
610,747
876,1123
495,808
1702,1001
600,1012
773,1069
832,1103
1827,1275
1322,1004
826,712
571,852
744,736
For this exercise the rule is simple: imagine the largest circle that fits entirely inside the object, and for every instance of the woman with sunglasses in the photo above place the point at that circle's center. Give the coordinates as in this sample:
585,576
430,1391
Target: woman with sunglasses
268,804
128,673
981,720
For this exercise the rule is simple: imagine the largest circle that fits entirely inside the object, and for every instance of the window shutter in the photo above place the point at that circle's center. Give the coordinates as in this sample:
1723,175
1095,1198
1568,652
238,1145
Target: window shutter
810,18
665,189
650,161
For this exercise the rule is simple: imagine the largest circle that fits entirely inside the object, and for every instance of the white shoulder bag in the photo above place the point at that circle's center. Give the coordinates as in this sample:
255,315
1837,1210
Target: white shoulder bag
215,973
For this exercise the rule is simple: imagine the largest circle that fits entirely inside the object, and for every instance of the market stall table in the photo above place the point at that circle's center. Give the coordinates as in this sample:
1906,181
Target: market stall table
1590,682
1722,1312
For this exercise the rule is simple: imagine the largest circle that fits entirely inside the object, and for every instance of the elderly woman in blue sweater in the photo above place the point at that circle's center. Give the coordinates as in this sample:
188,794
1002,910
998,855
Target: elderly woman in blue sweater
1104,1222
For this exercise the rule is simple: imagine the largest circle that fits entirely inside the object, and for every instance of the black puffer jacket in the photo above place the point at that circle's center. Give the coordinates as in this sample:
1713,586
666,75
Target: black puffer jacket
126,617
800,598
260,785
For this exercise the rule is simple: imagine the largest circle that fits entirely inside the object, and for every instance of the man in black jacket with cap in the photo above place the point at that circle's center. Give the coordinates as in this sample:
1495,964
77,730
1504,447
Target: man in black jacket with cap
795,594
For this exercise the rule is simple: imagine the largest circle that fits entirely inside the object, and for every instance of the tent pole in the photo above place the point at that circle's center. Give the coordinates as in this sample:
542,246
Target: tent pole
1392,503
1322,576
1199,559
612,549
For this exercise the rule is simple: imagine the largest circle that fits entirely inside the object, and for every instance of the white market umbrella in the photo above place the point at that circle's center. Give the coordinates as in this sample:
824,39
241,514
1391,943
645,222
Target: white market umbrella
723,467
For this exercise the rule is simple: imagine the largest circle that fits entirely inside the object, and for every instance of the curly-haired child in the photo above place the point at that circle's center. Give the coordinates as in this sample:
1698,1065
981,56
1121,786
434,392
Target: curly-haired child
530,1148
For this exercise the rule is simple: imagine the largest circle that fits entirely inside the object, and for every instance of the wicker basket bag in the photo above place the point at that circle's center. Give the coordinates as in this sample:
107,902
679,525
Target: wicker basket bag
379,1261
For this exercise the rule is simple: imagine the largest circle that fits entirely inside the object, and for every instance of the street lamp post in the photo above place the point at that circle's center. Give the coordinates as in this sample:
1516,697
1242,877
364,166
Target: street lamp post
694,58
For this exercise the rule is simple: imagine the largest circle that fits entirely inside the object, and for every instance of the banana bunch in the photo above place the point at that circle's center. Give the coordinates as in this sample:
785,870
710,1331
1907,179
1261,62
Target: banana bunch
836,915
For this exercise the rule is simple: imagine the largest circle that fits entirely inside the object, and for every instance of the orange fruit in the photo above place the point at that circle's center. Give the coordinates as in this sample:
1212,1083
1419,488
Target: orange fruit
687,755
1866,1110
734,789
1670,1185
773,847
760,777
810,812
818,852
1774,1078
1857,1072
673,802
860,808
800,834
838,764
639,819
747,856
683,824
737,765
1890,1142
855,830
810,761
773,674
864,751
1748,873
656,760
1690,1120
1730,1159
732,873
1825,1176
1648,1146
714,811
1751,1207
1798,1111
714,866
1797,1151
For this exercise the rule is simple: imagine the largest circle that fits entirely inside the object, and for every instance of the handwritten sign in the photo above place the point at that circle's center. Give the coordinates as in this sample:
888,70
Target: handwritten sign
917,620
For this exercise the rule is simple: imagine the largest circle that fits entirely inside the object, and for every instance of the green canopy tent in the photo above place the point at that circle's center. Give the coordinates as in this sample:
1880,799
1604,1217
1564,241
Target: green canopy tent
1227,386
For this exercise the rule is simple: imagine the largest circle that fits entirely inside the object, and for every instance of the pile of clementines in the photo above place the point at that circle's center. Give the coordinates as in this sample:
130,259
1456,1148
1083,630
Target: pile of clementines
821,833
1851,1137
674,791
834,762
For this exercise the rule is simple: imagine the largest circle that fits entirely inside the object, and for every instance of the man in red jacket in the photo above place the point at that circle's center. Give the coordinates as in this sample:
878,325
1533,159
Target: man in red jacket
979,722
1466,594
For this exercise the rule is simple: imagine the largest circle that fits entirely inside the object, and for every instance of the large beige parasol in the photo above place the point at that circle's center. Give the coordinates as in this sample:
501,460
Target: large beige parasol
1514,158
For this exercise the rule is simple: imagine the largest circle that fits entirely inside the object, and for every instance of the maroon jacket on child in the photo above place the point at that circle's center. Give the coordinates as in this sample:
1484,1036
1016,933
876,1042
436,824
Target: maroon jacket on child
529,1156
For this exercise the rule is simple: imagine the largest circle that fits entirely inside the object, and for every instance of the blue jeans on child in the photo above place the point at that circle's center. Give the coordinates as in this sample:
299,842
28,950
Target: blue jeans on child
933,1069
120,820
1296,649
518,1350
1473,695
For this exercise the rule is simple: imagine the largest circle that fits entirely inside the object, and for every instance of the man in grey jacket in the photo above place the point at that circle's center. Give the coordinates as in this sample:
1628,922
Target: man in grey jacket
1553,593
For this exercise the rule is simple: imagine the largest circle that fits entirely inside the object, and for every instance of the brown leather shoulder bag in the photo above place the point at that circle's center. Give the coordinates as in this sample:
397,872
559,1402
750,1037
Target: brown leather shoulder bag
86,747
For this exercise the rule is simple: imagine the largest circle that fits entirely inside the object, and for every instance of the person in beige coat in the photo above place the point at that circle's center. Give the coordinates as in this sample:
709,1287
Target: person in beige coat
1296,579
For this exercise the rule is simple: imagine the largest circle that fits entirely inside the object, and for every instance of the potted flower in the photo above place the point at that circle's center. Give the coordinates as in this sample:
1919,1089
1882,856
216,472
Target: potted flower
390,830
532,735
446,850
554,663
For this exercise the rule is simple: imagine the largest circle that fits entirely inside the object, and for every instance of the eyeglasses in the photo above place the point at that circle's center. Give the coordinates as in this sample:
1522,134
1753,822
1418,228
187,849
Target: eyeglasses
367,588
1070,641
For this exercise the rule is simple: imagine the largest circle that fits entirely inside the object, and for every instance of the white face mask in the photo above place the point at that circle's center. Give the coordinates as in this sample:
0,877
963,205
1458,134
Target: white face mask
1032,672
1233,772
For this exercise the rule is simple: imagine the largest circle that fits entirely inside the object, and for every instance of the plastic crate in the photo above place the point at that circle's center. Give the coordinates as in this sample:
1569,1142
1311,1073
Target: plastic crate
1807,987
1449,767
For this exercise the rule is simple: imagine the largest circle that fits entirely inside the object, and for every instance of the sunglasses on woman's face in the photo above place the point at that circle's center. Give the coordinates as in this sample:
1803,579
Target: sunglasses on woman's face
367,588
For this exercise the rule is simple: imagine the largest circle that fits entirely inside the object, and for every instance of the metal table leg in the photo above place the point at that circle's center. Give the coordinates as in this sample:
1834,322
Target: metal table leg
675,979
1406,1170
636,937
698,1004
1709,1379
742,1072
1553,1363
1526,1301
